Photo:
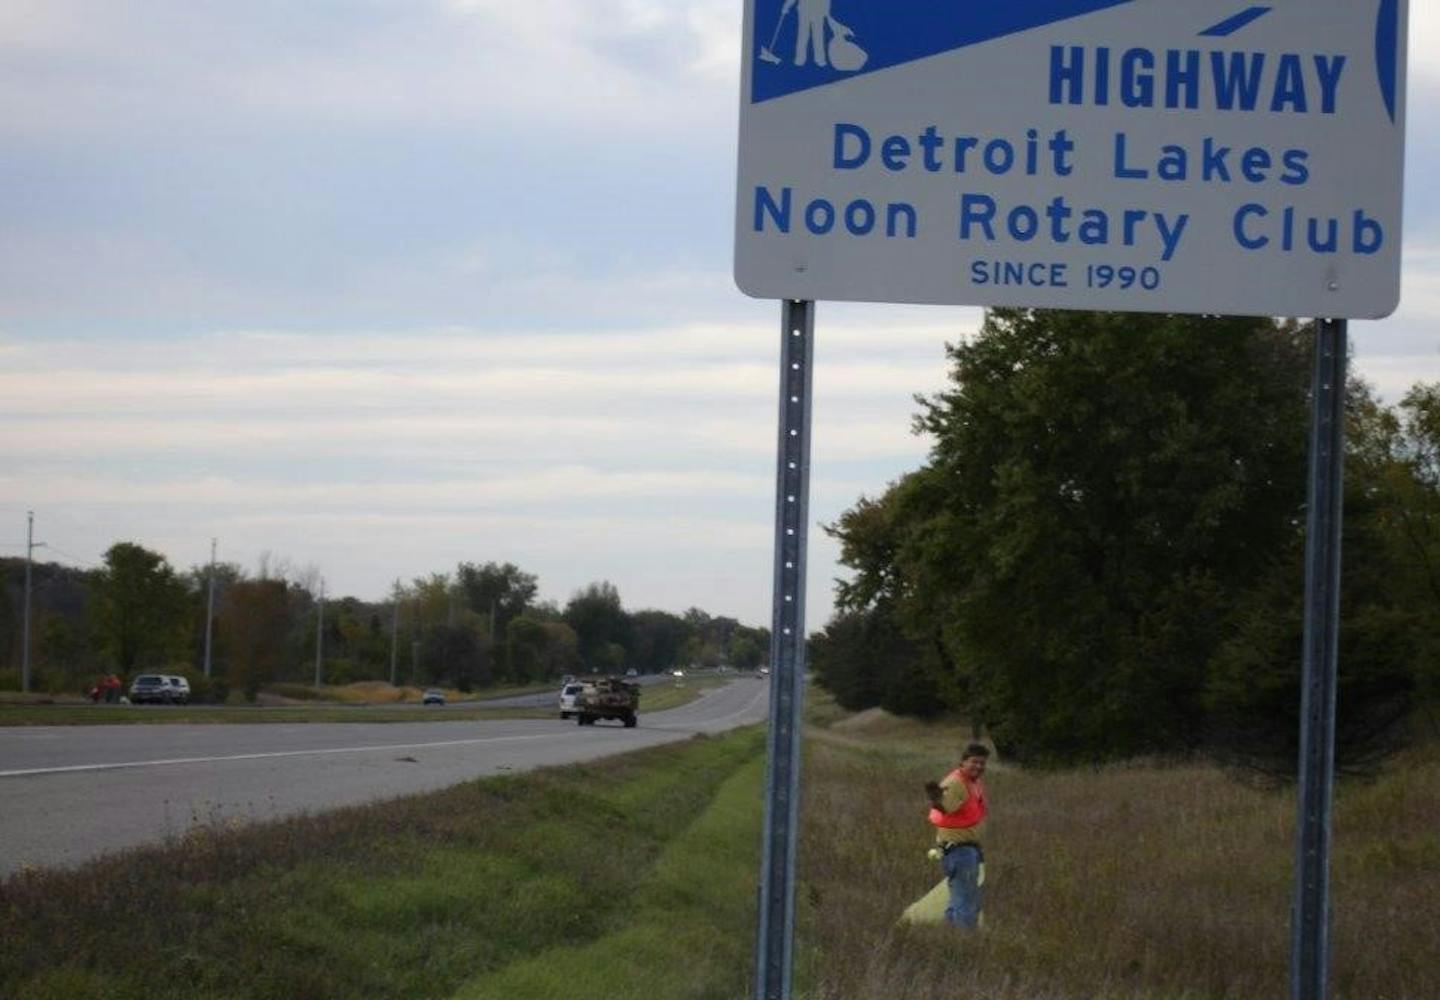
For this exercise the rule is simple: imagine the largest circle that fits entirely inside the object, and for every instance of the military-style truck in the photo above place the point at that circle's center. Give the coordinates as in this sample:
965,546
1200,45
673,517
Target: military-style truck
607,698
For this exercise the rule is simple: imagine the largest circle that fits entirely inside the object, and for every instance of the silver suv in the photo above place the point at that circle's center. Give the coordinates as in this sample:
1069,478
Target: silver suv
163,689
568,694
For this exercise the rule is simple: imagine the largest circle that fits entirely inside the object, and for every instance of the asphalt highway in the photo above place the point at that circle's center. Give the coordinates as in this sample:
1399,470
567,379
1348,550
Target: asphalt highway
70,794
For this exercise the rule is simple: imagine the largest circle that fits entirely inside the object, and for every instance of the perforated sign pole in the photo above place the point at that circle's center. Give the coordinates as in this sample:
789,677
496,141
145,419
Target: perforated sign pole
775,935
1310,943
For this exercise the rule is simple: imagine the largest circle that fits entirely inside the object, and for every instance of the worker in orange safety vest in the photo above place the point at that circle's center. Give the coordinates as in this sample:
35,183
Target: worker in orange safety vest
957,812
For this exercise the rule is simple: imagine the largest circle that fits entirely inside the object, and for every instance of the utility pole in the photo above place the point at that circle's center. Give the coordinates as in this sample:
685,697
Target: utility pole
394,632
30,546
210,608
320,633
415,641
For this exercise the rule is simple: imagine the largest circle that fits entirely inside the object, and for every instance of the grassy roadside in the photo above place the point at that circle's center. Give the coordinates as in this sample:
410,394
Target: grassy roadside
1145,880
688,932
654,698
420,897
635,878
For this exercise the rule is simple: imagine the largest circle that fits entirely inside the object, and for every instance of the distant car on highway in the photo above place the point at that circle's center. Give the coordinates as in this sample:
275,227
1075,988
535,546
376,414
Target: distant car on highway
159,689
568,694
632,672
432,696
677,672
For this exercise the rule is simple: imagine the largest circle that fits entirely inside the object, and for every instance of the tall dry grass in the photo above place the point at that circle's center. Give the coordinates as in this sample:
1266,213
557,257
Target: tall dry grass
1145,880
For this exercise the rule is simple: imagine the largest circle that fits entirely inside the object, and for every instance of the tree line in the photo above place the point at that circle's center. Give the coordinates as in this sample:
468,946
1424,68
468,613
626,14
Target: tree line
480,626
1102,556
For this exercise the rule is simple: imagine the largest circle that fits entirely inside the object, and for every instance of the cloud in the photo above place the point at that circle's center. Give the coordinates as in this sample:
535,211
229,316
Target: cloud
1424,40
384,284
389,405
641,455
602,65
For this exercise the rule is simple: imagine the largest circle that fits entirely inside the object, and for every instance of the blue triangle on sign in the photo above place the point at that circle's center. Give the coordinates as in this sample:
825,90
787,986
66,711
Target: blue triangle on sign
802,44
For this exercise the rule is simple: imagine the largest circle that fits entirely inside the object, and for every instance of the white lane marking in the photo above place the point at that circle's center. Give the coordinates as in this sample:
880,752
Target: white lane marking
335,750
716,722
262,756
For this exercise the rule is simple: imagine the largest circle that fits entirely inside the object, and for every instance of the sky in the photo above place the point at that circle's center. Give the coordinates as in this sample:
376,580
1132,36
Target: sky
371,287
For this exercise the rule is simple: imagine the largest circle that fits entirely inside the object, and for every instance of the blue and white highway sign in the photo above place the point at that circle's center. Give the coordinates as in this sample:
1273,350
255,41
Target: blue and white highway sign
1206,156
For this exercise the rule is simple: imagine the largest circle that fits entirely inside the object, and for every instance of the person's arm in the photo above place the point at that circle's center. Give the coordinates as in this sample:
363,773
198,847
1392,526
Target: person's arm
953,796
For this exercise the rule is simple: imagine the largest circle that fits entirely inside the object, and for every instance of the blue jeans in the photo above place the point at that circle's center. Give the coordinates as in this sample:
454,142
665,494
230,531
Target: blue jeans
962,871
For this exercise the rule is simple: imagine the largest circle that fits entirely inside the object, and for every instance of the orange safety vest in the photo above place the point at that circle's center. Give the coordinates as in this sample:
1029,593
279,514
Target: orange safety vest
971,811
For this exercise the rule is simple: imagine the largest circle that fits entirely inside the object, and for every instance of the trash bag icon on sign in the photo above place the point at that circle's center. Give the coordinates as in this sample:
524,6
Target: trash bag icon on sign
819,38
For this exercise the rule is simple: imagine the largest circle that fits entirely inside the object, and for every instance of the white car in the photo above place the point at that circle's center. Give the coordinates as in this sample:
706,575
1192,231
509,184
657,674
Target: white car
568,694
162,689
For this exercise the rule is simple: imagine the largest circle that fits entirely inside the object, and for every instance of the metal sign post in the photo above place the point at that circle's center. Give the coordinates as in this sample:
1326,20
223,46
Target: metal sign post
775,935
1310,943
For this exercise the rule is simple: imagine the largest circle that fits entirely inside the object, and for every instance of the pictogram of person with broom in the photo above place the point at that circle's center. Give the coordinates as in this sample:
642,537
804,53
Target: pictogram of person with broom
818,37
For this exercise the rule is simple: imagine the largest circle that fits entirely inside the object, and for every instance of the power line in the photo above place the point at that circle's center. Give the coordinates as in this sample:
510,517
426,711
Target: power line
71,557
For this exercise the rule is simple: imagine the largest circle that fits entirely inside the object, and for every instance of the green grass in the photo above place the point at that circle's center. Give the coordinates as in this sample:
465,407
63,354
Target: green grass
422,897
635,877
688,931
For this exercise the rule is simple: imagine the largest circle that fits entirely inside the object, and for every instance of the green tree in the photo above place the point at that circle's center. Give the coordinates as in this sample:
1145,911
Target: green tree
749,648
141,609
842,659
432,599
255,623
362,640
541,649
660,639
896,601
499,589
599,622
456,656
1419,527
1099,490
1389,617
197,580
